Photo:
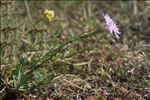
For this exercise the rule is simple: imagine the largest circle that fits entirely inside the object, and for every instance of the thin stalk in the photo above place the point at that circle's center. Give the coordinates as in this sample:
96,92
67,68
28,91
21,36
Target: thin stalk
53,52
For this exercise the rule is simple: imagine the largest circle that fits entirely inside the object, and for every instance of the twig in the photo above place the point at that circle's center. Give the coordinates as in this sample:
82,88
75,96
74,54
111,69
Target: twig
27,8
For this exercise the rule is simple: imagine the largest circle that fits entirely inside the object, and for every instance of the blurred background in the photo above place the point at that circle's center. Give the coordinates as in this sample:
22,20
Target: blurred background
27,33
74,17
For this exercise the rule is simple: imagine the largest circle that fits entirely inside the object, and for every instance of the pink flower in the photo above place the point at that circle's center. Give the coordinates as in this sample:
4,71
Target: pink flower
111,25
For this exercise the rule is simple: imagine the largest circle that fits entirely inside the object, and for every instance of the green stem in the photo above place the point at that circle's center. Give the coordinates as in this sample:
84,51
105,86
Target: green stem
53,52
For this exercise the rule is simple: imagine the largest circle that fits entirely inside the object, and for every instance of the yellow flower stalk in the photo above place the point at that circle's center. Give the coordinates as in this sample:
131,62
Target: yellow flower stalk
49,14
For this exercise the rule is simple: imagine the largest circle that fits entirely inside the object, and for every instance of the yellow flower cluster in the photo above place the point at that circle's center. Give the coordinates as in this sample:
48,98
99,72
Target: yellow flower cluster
49,14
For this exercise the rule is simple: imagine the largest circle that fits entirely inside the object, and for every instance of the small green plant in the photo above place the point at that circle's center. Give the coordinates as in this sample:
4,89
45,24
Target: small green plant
25,77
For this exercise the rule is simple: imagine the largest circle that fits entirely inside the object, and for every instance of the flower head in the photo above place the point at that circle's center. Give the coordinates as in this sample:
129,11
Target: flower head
49,14
111,25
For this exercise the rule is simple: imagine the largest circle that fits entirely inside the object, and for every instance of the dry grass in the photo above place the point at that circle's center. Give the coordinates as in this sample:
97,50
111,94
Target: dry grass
74,57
